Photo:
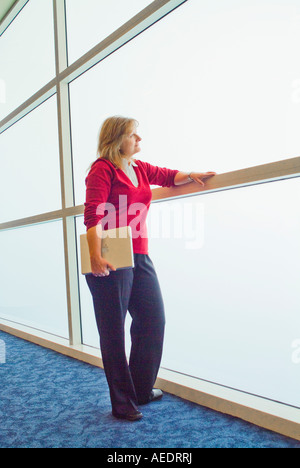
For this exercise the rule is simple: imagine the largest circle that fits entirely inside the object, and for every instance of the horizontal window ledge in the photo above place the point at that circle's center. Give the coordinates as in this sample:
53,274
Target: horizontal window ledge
264,173
259,174
278,170
43,218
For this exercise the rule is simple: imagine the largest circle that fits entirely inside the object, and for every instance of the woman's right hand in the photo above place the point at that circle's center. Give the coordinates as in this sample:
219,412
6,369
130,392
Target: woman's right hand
100,266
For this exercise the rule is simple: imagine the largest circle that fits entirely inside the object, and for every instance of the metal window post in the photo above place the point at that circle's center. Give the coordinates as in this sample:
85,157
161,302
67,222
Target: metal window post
66,171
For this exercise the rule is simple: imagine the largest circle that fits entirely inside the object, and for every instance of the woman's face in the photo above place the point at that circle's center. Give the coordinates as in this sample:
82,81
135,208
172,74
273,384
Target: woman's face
130,144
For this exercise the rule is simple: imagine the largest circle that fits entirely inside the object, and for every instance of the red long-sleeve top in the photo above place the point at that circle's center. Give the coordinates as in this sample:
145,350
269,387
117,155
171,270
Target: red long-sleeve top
113,200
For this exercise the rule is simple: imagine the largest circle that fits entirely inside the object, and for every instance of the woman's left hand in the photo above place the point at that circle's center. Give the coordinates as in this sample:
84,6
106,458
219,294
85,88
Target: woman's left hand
200,176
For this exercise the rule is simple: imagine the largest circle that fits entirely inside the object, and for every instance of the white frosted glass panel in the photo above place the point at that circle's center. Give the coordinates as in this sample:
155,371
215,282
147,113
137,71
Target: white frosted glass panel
230,280
32,278
27,57
215,87
30,173
96,19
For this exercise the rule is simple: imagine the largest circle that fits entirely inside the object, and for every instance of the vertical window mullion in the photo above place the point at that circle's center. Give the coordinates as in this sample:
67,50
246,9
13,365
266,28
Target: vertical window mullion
67,192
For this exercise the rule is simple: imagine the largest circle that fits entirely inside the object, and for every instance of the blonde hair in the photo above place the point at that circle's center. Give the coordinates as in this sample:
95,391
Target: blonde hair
111,136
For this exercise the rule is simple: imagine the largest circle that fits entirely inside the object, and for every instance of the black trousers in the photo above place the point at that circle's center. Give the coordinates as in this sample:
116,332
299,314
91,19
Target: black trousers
135,290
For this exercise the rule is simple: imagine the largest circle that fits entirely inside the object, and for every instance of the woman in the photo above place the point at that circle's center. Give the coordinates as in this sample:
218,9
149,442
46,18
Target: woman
114,177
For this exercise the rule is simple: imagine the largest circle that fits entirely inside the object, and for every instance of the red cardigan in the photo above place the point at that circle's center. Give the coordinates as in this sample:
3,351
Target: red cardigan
113,201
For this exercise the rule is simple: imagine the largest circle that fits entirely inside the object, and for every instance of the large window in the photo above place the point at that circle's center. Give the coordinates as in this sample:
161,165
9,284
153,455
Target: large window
30,176
27,59
218,95
231,286
215,86
229,267
32,277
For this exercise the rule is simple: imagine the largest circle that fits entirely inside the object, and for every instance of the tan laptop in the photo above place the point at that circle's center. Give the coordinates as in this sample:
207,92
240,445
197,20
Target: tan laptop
116,247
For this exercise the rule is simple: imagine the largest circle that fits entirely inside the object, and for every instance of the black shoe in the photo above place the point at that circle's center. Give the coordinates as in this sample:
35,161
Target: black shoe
134,416
155,395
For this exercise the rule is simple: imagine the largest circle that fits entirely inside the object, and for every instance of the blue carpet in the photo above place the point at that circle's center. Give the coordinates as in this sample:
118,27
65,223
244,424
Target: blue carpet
52,401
